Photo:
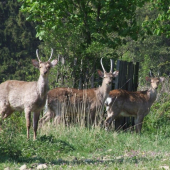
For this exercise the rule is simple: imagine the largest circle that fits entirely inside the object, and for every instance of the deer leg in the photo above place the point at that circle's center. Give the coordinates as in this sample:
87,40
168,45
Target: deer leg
28,123
111,116
108,121
57,120
48,116
3,109
8,113
5,112
92,116
138,123
58,112
35,123
2,116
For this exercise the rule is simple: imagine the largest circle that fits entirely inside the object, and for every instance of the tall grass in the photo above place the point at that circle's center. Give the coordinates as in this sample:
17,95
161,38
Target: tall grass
82,147
76,147
74,112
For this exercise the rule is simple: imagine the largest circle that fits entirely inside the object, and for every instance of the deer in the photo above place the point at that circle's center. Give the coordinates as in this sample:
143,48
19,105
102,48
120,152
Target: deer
122,103
72,98
27,96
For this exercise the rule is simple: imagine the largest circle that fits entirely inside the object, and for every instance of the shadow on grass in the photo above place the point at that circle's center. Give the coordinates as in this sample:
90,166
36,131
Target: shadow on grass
39,151
76,161
122,160
47,148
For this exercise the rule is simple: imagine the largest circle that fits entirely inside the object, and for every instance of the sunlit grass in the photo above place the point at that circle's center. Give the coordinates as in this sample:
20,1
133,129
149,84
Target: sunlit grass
89,147
82,148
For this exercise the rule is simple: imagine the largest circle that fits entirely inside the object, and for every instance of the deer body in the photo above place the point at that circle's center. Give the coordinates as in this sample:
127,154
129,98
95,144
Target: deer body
72,98
135,104
26,96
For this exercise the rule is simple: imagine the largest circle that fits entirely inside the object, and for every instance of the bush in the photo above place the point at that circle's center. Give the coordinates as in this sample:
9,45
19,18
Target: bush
159,116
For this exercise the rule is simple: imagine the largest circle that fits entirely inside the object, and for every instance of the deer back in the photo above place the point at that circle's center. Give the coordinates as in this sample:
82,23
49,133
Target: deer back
71,95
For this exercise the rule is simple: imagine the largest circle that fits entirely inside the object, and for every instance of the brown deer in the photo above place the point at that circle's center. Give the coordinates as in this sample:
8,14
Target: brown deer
26,96
71,98
135,104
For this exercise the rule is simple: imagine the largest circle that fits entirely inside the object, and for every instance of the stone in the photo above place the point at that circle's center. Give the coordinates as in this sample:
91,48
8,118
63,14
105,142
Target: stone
7,168
41,166
23,167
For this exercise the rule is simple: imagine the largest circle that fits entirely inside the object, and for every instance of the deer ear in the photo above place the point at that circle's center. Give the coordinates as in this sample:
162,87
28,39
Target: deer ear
148,78
35,63
162,79
54,62
100,73
115,73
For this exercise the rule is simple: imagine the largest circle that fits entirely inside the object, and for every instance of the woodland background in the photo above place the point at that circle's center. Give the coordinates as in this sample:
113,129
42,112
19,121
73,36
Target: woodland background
131,30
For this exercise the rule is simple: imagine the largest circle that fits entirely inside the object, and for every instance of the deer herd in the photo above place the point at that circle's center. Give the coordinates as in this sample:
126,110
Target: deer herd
32,97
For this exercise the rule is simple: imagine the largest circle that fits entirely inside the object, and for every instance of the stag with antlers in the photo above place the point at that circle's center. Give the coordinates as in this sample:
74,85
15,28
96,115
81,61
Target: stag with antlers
27,96
71,98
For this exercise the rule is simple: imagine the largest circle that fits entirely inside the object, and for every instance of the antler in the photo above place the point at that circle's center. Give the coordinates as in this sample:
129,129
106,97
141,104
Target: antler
51,54
102,64
37,55
151,73
111,66
158,73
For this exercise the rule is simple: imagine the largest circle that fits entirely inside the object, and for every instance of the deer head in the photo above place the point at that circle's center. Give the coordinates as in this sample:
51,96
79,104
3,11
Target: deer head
154,81
107,77
44,67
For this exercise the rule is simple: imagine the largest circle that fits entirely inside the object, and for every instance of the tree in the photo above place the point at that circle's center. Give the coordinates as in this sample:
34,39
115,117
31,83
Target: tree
85,27
160,25
87,30
17,43
152,51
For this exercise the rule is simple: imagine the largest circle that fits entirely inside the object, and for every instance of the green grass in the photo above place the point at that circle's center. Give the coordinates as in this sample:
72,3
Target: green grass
82,148
77,147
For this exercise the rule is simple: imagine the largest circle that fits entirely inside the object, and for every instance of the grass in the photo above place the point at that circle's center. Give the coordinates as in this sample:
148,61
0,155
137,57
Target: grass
76,147
83,148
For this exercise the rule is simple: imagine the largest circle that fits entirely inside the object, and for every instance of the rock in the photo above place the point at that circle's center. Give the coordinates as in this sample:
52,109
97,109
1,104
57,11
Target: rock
164,167
7,168
23,167
42,166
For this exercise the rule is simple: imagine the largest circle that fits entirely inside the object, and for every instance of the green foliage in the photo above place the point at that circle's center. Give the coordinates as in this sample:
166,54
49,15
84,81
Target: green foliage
62,75
17,43
84,30
159,116
160,24
10,148
15,146
151,51
33,152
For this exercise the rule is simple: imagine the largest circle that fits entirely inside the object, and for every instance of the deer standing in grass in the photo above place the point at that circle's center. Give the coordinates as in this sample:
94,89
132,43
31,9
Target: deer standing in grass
26,96
135,104
71,98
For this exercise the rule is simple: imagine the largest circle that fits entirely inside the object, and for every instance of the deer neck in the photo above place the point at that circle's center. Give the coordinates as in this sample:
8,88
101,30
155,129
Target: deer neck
152,93
42,86
103,92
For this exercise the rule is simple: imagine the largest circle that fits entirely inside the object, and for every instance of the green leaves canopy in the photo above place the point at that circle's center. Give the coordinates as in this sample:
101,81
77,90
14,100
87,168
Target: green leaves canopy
84,28
17,43
160,25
